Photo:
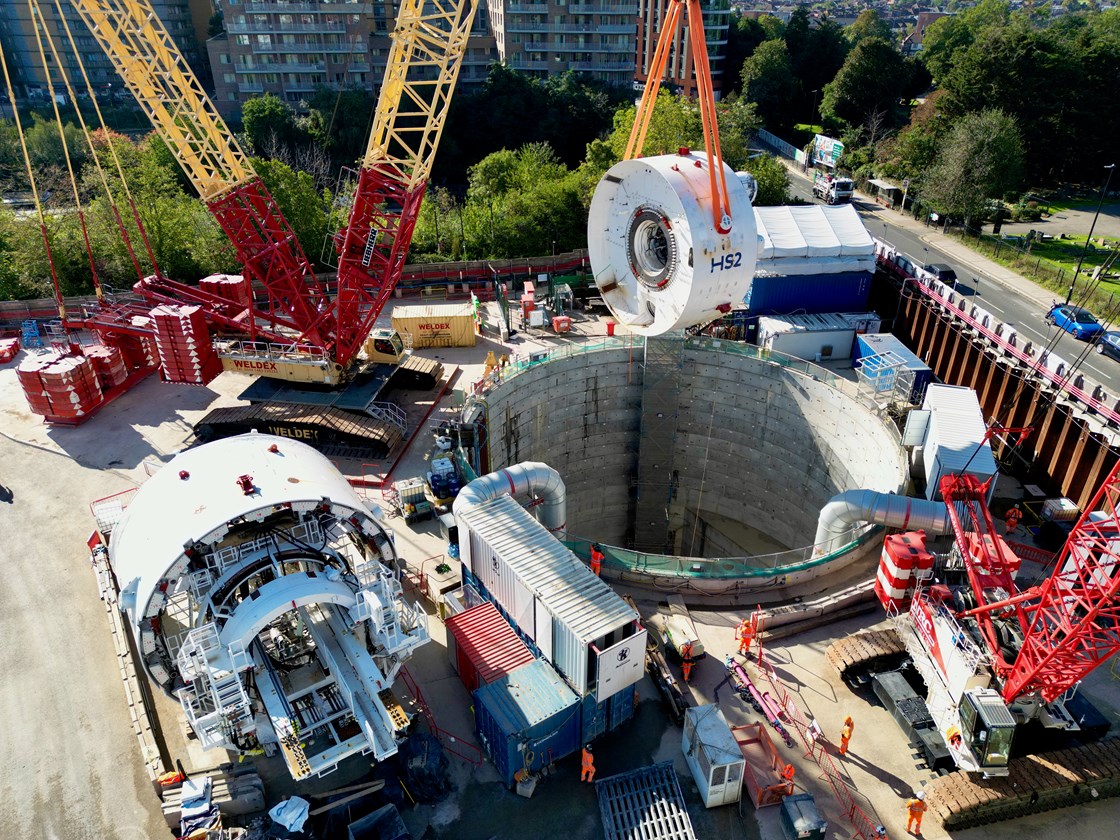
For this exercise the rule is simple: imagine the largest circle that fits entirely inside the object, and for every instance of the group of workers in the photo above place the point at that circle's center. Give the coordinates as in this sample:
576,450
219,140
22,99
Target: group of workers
745,635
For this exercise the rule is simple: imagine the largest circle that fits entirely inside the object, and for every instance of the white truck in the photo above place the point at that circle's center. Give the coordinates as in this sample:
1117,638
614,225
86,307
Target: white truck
832,189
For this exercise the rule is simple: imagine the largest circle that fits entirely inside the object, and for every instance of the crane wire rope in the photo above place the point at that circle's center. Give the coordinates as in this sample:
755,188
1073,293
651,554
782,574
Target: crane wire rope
59,302
40,31
113,204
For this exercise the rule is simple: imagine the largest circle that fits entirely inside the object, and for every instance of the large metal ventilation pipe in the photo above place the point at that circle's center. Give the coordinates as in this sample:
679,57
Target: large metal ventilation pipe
532,478
845,510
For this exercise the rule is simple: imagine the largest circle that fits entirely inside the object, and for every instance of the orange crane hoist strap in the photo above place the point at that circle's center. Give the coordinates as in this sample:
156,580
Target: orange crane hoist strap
721,206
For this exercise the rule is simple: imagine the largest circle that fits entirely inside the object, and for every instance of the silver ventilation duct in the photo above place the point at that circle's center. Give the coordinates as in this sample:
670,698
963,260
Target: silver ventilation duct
531,478
843,512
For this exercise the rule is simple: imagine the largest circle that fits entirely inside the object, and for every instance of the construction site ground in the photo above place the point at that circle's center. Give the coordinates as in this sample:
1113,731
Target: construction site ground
73,766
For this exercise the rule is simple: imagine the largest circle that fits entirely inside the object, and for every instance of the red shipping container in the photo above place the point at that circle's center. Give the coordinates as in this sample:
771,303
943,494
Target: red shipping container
483,647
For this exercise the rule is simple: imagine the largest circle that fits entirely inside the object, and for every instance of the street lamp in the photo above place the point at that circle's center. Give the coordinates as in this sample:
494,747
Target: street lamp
1104,191
813,116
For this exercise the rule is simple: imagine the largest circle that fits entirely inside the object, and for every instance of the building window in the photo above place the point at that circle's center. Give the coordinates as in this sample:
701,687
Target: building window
242,40
229,78
223,58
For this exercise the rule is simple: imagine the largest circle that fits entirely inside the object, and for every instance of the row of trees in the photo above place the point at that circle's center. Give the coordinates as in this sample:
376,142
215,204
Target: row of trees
514,202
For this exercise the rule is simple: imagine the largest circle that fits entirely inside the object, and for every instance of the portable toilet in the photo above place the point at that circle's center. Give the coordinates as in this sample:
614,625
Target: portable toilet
713,755
800,819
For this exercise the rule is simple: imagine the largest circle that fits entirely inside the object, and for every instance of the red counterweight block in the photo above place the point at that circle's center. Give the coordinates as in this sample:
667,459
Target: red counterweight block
61,387
904,560
185,352
232,287
108,364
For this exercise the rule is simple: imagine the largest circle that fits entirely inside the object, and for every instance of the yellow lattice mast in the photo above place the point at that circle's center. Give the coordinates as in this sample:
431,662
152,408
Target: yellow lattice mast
153,69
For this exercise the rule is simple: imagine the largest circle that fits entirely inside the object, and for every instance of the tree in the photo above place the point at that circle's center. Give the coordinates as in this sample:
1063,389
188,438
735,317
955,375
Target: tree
768,82
947,38
269,124
339,121
868,25
772,178
981,159
744,34
872,80
305,209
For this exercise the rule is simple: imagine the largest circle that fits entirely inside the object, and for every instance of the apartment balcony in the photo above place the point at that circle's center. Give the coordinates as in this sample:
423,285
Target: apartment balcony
573,28
270,26
611,9
527,9
520,62
605,66
250,87
288,8
282,67
572,47
298,49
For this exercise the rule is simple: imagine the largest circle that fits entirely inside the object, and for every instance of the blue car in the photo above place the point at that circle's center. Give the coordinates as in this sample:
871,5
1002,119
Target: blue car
1078,322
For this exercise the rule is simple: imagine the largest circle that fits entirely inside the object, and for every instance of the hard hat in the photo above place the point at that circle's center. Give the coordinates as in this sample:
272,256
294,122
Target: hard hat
920,795
587,747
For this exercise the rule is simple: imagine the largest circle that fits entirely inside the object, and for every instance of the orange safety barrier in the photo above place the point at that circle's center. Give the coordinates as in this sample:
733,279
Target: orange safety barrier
815,749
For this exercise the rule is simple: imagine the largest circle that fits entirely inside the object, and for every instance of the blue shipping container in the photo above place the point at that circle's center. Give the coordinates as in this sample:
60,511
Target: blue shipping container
601,718
876,344
809,293
527,719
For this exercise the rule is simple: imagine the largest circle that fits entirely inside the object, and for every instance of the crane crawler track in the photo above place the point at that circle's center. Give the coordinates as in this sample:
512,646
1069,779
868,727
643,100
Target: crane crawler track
1036,783
856,656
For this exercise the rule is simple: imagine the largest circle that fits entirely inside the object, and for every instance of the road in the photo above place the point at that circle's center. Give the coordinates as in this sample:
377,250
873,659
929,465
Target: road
1007,305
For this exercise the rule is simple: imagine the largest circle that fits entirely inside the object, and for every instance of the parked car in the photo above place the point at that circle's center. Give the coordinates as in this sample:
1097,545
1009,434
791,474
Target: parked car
942,272
1078,322
1108,344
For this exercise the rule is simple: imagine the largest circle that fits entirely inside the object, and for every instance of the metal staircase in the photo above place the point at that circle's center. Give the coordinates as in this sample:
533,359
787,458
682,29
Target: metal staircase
214,699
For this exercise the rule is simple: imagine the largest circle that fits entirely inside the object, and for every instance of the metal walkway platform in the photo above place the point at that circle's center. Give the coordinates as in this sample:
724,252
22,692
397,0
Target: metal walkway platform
644,804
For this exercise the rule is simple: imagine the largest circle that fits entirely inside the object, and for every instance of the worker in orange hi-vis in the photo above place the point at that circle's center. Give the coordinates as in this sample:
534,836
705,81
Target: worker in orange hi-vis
1012,518
686,660
597,558
744,633
845,736
915,808
588,774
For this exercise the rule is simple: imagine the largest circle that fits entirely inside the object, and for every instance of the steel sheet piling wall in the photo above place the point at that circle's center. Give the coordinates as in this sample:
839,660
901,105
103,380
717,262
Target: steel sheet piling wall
1075,450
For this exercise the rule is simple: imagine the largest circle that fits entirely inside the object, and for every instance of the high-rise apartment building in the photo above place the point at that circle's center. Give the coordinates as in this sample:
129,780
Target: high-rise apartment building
680,74
185,20
594,37
291,48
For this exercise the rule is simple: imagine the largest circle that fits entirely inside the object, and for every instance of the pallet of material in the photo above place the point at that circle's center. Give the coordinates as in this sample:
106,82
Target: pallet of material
235,795
644,804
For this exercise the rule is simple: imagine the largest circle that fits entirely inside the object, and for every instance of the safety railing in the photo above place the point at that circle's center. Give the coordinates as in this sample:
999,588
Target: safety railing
1077,387
455,745
757,566
817,750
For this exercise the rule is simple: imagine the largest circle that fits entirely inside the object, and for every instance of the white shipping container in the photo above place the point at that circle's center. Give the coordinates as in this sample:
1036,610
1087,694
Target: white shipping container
436,325
554,598
811,337
954,438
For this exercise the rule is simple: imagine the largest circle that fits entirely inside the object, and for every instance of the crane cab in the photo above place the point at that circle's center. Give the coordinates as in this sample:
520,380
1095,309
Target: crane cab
987,729
384,346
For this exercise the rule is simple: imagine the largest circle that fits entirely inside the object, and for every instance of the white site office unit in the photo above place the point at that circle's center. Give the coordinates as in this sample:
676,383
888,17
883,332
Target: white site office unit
713,755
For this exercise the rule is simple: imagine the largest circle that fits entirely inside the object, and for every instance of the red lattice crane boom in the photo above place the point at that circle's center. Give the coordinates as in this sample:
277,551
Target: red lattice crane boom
153,69
1074,625
429,42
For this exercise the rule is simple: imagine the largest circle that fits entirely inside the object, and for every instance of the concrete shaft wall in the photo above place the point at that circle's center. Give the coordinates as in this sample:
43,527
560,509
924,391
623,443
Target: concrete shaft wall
756,444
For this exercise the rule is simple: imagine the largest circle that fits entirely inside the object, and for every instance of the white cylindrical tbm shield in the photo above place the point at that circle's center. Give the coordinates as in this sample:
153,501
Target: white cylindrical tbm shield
659,261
